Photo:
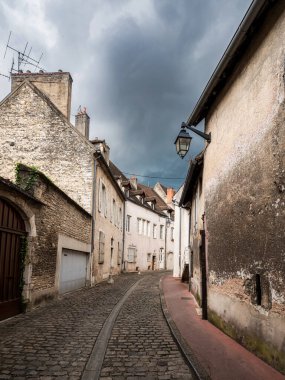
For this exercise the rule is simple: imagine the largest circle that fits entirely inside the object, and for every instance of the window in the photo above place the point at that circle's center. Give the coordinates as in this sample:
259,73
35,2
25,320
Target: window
258,289
120,218
131,254
113,212
149,257
119,257
139,226
144,227
102,206
128,223
161,231
200,186
101,247
154,230
172,233
148,228
161,254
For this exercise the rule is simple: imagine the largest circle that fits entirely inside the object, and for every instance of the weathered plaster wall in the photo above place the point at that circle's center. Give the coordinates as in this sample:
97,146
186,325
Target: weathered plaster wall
35,133
104,223
244,179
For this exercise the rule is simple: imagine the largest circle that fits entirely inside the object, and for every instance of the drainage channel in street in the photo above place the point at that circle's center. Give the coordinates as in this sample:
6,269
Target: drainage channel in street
93,367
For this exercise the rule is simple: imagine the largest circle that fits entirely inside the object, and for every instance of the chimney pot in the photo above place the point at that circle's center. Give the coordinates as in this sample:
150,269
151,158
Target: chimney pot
134,182
170,195
82,121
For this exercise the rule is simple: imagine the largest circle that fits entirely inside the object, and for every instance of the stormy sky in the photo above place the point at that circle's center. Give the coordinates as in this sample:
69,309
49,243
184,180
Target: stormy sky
139,67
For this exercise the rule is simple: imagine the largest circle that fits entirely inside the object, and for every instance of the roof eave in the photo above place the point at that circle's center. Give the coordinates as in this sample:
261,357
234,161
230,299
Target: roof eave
228,60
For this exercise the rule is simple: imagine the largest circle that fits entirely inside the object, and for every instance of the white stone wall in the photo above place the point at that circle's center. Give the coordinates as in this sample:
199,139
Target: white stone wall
147,247
181,237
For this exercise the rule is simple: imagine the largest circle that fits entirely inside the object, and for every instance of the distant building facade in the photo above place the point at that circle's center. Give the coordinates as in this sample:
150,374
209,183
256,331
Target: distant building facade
109,218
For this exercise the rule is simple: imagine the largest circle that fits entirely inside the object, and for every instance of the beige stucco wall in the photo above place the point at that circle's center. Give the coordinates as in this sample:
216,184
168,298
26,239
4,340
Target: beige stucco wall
244,188
102,271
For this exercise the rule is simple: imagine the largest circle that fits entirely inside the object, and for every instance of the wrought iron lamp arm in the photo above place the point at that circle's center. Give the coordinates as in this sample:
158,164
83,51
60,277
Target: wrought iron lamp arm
201,134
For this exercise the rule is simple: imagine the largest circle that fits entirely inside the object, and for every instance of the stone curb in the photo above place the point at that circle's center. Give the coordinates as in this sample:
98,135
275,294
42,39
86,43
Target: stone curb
183,346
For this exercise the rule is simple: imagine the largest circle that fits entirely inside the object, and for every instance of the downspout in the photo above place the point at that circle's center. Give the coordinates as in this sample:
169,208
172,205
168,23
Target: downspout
165,245
93,220
124,236
180,209
190,248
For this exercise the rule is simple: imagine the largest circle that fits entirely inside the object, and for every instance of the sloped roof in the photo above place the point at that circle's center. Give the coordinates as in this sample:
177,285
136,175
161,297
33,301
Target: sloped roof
194,171
47,100
108,171
147,192
236,48
9,184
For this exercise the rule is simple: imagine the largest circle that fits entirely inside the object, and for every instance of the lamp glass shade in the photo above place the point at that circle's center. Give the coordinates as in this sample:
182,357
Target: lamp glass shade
182,143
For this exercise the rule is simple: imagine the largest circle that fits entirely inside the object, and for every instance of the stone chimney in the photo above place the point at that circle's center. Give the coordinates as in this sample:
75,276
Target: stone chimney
56,86
103,147
82,121
134,182
170,195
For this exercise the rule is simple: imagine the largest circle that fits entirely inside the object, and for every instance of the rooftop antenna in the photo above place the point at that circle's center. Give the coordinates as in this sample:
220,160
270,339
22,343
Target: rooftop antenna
23,58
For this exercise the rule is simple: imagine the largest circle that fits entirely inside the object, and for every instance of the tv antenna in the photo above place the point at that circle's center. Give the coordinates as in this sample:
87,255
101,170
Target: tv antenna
23,58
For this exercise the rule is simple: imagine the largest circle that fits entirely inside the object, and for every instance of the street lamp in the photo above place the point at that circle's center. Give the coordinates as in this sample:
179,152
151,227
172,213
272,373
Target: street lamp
183,140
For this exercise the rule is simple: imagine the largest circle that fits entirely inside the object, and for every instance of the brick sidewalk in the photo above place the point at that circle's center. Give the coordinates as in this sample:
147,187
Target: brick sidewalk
220,356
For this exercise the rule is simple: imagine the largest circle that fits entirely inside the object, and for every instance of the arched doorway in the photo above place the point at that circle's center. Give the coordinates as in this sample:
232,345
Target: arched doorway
12,237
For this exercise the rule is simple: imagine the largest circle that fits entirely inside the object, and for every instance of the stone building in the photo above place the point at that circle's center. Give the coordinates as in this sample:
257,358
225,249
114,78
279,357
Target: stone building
165,193
148,235
35,130
109,218
43,252
242,189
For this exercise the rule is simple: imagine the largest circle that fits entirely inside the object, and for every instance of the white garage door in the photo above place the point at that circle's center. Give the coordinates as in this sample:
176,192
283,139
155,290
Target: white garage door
73,270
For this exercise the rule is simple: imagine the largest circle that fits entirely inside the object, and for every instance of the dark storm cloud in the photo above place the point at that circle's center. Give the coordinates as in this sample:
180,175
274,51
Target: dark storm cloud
139,66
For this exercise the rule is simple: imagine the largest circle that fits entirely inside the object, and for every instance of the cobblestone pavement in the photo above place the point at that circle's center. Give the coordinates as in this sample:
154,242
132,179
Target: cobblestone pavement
55,341
141,346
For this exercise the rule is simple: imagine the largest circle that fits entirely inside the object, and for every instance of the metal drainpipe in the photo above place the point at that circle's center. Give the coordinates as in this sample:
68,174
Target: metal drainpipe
190,248
180,217
93,219
124,236
165,245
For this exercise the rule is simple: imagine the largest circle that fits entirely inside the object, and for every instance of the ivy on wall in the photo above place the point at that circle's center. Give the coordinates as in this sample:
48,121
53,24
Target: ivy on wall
26,183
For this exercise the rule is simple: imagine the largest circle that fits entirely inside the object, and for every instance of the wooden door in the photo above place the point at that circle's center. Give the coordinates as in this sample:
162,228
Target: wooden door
12,232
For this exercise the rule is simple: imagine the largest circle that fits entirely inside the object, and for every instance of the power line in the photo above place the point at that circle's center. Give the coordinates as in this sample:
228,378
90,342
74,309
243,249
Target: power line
149,176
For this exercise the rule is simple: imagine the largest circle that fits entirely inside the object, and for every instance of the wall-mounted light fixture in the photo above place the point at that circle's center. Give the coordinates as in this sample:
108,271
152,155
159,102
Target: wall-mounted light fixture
183,140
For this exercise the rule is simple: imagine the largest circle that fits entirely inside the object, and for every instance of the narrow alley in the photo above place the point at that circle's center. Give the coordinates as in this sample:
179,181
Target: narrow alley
56,341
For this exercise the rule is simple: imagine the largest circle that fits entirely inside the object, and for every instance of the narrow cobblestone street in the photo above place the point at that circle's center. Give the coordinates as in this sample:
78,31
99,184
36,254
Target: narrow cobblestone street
55,341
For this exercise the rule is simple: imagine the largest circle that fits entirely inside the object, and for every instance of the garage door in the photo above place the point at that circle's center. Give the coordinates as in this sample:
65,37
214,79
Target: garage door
73,270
